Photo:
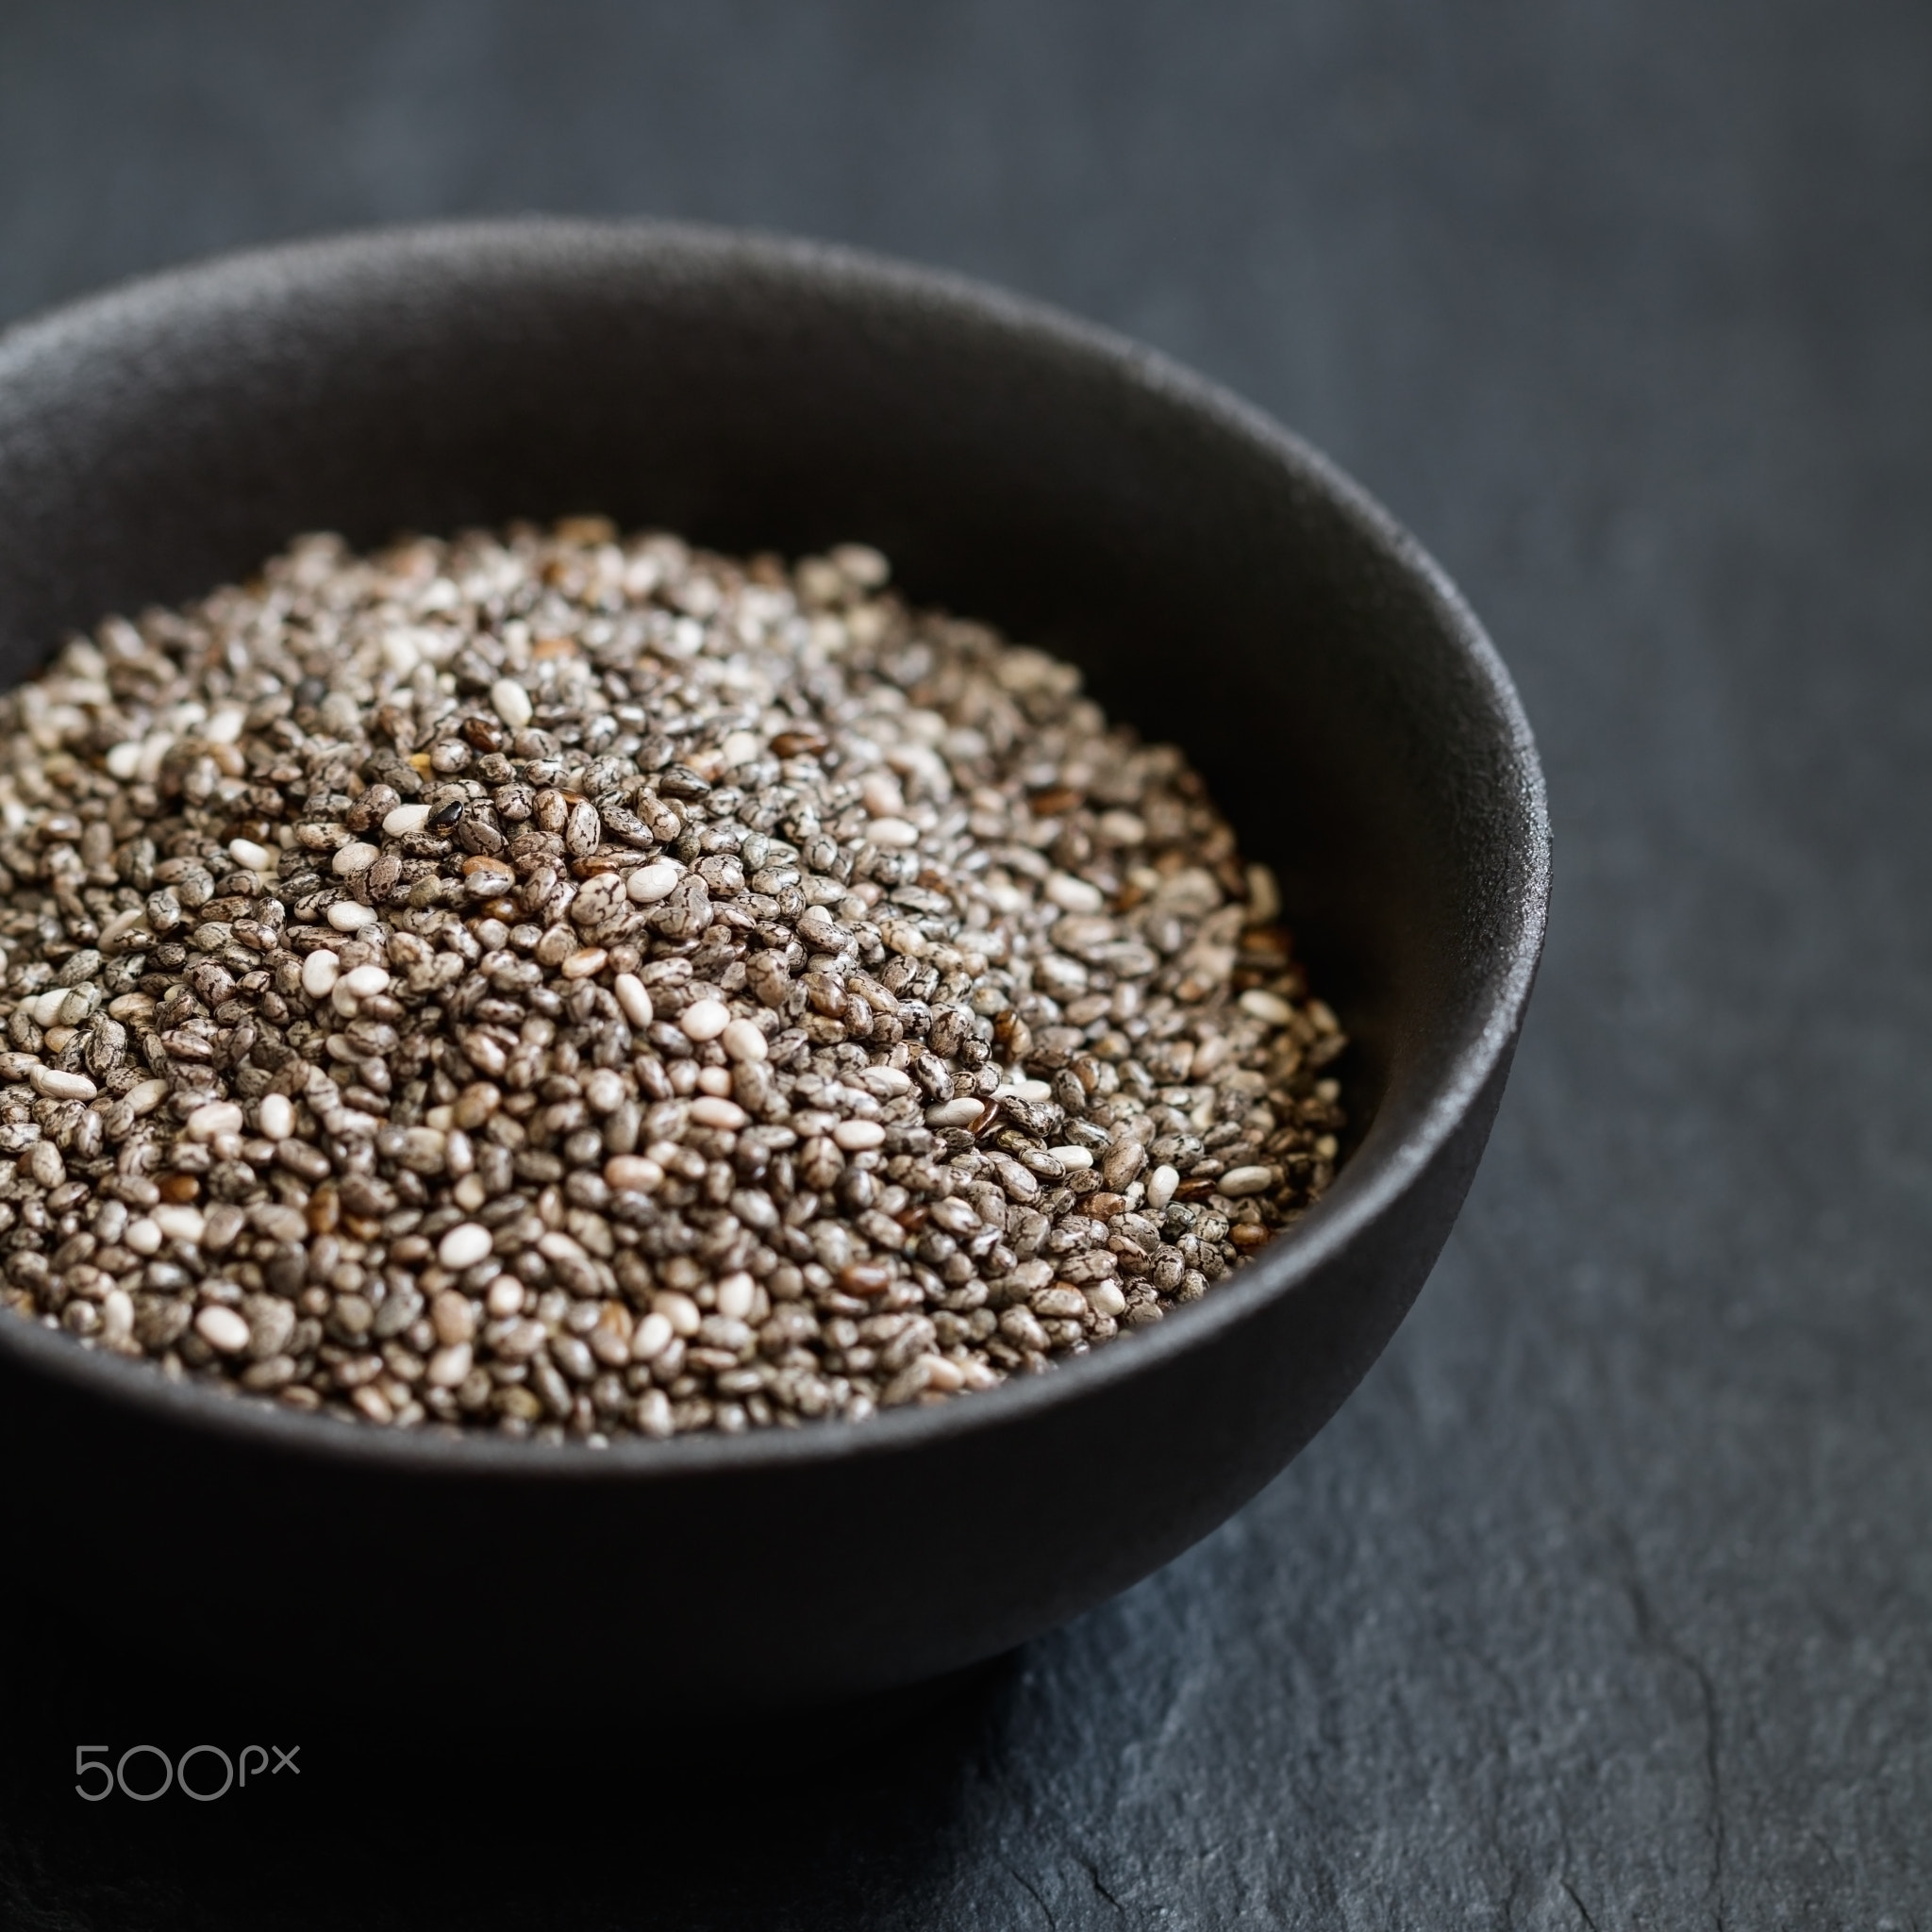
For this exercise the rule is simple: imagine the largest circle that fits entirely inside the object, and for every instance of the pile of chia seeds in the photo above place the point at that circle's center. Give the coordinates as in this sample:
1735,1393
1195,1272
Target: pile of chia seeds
575,985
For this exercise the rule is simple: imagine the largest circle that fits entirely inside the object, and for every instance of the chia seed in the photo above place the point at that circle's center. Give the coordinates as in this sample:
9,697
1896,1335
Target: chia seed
576,985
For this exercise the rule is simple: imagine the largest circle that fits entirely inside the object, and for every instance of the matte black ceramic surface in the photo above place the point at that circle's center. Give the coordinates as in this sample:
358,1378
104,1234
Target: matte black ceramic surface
1222,586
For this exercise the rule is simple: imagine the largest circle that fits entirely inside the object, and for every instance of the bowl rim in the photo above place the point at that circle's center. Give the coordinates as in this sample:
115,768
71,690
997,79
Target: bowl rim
1366,1187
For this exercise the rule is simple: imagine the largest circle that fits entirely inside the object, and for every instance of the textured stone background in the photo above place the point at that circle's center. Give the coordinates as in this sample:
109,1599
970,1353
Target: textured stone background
1607,1601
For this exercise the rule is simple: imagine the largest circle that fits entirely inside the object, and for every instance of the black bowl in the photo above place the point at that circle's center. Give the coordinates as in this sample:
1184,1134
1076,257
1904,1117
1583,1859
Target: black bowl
1223,586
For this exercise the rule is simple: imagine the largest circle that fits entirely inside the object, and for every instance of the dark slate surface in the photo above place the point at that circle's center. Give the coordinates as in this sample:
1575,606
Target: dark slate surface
1607,1601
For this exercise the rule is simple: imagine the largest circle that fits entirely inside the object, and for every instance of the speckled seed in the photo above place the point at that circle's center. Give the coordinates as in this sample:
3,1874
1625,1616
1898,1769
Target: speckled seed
605,1091
221,1329
319,973
463,1247
511,703
582,830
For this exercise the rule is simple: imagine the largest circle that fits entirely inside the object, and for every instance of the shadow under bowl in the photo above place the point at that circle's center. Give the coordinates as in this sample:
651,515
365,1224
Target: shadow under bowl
1221,585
